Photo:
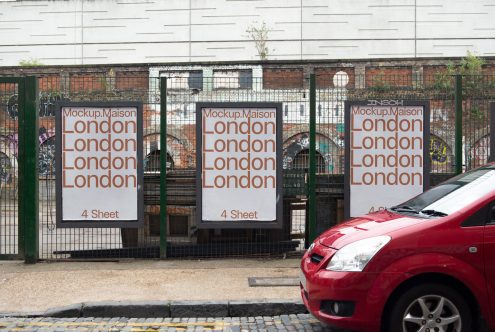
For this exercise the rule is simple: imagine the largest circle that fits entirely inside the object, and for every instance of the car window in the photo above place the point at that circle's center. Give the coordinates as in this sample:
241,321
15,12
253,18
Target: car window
490,214
452,195
478,218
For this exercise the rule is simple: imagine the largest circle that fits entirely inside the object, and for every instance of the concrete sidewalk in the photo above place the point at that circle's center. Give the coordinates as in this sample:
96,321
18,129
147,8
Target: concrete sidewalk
45,286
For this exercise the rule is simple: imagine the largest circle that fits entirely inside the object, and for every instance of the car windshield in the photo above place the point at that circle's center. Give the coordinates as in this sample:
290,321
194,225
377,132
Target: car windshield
452,195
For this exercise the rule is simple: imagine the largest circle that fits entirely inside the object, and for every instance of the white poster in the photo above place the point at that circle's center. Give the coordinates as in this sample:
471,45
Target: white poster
386,156
239,164
99,164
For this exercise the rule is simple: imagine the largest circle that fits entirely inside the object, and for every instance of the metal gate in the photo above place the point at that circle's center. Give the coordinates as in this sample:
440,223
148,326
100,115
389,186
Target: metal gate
18,178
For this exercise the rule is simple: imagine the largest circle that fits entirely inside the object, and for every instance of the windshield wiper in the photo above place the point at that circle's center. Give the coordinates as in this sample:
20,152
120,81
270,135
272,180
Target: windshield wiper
434,213
404,208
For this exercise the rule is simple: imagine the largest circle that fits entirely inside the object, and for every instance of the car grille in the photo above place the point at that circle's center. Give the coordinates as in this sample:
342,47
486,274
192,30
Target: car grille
315,258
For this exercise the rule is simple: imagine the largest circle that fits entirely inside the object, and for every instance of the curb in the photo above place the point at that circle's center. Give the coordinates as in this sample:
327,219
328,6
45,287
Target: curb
170,309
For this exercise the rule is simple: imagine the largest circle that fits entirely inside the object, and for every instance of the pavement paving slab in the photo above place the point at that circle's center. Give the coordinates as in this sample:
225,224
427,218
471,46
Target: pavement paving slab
48,285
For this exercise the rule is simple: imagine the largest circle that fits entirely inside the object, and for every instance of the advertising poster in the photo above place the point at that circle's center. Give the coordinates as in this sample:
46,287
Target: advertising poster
99,165
239,165
386,159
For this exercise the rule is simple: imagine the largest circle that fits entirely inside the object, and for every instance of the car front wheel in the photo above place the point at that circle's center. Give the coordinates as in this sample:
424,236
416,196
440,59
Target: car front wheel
430,308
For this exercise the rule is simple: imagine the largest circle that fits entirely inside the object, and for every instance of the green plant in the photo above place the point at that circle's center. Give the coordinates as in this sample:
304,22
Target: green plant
31,62
260,37
380,84
444,80
470,67
477,113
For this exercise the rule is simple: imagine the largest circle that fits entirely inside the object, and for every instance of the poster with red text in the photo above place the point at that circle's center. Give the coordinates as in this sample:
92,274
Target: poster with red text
99,165
386,159
238,149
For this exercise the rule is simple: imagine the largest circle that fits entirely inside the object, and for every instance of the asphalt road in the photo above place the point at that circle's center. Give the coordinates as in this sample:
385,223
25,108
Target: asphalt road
303,322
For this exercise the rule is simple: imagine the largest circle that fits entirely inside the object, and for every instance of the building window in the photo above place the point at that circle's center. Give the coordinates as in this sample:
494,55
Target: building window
245,79
301,161
232,79
152,162
184,80
195,80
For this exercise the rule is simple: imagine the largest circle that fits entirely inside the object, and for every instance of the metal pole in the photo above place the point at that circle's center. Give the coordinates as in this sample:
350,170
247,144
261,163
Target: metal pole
163,168
312,159
458,124
28,170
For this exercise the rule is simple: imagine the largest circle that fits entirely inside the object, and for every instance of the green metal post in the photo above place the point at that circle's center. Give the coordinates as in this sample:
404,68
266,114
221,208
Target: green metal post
458,124
163,168
28,170
312,159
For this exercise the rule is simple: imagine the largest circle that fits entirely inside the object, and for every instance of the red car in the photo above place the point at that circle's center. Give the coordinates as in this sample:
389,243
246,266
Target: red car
425,265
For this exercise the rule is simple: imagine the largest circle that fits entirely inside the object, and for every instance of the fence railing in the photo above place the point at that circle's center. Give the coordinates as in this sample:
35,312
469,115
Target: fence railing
312,158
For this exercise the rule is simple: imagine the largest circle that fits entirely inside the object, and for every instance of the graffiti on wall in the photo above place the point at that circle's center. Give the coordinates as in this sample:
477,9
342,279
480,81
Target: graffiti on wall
325,147
479,152
46,107
438,151
47,103
440,156
441,110
46,156
5,169
8,155
8,158
13,107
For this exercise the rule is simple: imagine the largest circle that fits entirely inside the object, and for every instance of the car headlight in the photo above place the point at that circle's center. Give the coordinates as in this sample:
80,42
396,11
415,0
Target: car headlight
311,247
355,256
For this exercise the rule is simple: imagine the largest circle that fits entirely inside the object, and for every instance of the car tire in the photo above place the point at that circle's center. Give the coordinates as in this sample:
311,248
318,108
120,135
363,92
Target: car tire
429,308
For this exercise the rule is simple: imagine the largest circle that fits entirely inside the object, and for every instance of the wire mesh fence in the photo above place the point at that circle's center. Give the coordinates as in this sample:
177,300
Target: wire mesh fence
95,243
8,170
184,90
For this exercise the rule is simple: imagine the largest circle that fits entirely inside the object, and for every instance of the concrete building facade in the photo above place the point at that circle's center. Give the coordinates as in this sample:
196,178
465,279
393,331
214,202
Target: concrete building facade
75,32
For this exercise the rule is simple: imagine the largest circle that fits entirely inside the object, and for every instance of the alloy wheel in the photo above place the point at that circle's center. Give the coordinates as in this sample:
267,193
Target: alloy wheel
432,313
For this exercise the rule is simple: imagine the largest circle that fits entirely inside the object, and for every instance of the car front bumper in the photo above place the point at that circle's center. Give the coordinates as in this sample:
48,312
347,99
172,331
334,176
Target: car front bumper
366,291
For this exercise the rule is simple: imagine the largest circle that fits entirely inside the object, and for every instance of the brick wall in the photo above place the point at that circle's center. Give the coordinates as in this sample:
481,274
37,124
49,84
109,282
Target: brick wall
324,77
131,80
7,88
430,73
87,82
283,78
393,76
489,70
49,83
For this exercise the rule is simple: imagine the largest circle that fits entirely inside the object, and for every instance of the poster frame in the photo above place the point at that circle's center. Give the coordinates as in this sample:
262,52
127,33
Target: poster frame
385,102
240,224
58,164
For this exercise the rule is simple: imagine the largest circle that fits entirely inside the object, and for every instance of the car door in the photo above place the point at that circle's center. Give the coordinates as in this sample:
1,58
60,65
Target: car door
489,254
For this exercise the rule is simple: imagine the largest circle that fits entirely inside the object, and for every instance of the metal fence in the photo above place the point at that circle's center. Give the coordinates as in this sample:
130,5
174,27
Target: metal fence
8,170
182,236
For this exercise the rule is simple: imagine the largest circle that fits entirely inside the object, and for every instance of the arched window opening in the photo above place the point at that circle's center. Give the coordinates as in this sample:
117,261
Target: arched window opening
152,162
301,161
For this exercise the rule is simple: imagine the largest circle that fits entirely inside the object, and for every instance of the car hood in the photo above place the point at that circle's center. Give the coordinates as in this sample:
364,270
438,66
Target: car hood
374,224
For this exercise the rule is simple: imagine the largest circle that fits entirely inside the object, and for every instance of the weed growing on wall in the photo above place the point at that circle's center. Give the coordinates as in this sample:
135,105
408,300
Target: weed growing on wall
259,34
